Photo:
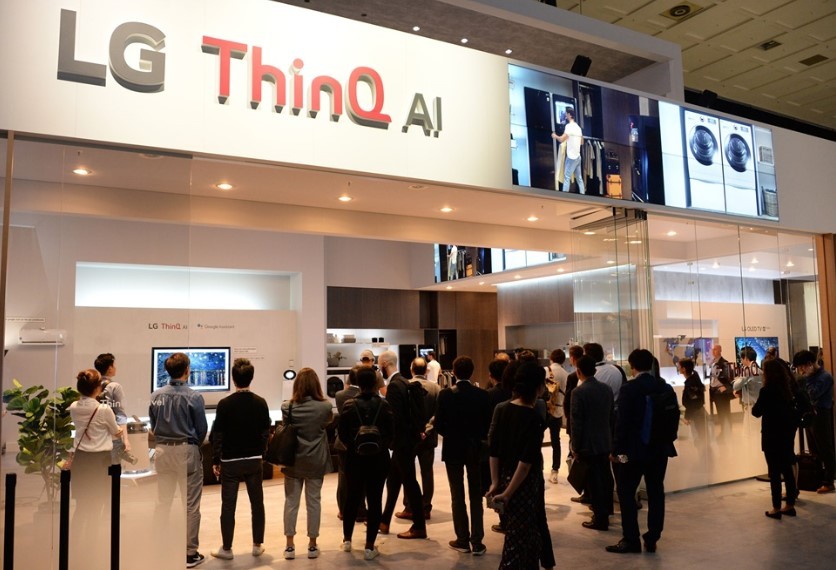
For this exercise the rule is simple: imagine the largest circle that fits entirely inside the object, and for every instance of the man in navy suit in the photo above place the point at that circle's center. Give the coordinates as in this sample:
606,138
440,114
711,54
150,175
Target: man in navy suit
637,459
463,419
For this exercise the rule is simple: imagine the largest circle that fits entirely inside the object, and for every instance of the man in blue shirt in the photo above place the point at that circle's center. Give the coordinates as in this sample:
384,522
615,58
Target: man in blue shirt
178,420
819,384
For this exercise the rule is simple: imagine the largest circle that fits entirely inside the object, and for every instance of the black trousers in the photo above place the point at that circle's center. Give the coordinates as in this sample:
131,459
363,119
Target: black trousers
780,465
402,472
822,442
554,425
629,475
364,477
599,486
232,473
425,463
474,529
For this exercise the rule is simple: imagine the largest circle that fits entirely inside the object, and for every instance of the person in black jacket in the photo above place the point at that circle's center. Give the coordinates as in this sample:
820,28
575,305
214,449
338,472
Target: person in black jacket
239,439
463,419
637,459
775,406
365,474
693,400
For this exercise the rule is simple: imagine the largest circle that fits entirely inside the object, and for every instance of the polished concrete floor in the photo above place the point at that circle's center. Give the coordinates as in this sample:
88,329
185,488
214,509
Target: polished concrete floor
712,528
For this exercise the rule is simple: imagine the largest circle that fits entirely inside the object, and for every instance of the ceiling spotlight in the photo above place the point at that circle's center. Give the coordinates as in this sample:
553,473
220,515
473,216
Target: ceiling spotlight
790,263
82,171
755,260
634,241
518,276
589,233
610,239
509,51
810,249
610,262
560,270
671,233
345,198
715,265
289,374
449,287
416,28
481,282
225,186
464,40
532,218
446,209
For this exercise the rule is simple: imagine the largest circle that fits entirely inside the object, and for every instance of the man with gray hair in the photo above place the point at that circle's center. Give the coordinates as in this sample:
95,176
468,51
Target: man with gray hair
407,437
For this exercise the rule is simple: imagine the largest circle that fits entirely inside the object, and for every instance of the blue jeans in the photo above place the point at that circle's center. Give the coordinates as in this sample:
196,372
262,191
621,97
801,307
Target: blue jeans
570,167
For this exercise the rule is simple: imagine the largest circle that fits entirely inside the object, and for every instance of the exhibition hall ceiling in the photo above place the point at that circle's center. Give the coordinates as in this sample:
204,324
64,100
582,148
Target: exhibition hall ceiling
777,55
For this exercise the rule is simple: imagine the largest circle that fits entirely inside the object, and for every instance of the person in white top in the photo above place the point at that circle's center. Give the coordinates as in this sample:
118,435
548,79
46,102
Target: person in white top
556,386
433,367
95,429
573,137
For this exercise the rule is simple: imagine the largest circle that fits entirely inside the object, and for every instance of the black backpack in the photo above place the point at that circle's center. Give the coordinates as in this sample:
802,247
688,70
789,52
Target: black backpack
416,396
368,440
661,417
803,408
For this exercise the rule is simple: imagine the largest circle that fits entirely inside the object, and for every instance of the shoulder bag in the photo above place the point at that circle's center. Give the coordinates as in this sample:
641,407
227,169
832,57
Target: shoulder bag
68,463
281,449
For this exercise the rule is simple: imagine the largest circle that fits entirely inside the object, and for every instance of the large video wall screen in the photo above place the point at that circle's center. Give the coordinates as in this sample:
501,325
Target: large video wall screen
632,147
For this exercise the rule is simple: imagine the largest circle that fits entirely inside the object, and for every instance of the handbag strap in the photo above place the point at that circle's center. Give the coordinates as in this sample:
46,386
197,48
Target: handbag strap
85,429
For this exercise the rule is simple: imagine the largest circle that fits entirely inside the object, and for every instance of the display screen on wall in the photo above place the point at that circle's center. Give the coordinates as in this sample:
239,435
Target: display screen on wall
631,147
759,343
210,368
459,262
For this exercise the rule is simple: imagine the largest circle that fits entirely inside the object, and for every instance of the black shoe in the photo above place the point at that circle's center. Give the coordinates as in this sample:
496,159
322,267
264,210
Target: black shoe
193,560
498,528
624,547
583,499
788,512
463,547
649,545
595,525
479,549
775,515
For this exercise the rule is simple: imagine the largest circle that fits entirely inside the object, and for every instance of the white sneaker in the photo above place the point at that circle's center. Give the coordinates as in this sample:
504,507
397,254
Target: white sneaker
289,553
553,478
346,546
313,552
222,553
258,550
371,553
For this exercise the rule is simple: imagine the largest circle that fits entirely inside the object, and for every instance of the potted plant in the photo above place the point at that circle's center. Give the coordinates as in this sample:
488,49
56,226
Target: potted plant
45,436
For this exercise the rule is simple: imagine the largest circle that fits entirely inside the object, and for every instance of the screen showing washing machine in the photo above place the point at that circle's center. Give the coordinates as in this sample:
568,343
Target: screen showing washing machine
703,161
738,168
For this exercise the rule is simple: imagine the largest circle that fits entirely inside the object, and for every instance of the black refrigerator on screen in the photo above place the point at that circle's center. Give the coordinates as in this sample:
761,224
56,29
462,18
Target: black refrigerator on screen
646,170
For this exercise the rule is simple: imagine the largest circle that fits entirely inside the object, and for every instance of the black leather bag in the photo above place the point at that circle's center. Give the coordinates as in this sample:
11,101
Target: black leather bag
281,450
578,474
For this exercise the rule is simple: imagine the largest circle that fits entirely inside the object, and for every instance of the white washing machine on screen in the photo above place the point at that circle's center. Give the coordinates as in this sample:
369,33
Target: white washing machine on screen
739,168
703,161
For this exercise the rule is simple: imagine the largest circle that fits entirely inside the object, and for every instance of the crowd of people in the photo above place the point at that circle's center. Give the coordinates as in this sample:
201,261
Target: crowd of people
491,443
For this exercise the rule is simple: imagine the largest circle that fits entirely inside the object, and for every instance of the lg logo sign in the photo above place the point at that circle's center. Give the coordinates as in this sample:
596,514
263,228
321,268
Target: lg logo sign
290,88
150,78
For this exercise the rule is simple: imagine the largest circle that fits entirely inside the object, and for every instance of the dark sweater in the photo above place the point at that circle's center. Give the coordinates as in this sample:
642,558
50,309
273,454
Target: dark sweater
241,427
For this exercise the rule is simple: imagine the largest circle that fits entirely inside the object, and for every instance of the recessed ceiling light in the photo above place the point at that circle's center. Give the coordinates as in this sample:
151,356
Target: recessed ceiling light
755,260
509,51
790,263
634,241
810,249
416,28
671,233
82,171
610,239
416,186
517,276
610,262
715,265
532,218
225,186
481,282
464,40
589,233
560,270
345,198
446,209
449,287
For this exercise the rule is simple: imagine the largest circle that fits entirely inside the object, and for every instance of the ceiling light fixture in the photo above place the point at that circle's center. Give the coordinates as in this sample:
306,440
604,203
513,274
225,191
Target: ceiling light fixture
416,186
671,233
517,276
790,263
810,249
446,209
589,233
755,260
561,270
610,262
481,282
509,51
416,28
715,265
82,171
345,198
449,287
225,186
532,218
464,40
634,241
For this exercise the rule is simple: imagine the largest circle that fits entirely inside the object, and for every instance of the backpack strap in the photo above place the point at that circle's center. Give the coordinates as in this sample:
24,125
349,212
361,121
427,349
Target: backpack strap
374,421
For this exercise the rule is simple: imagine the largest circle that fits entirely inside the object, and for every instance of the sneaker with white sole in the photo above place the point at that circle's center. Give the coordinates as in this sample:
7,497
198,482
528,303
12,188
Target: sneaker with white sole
258,550
313,552
193,560
346,546
222,553
553,477
371,553
289,553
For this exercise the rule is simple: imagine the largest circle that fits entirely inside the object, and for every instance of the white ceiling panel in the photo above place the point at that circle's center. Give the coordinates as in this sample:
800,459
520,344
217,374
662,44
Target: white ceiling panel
808,96
751,33
801,12
759,7
822,29
732,66
701,55
789,84
711,22
757,77
622,7
825,71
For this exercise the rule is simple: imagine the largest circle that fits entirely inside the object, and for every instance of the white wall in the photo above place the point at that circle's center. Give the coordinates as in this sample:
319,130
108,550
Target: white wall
377,264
